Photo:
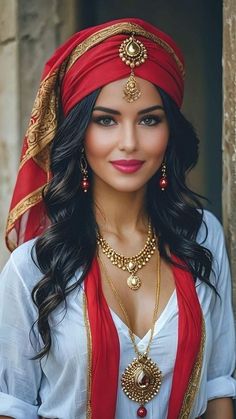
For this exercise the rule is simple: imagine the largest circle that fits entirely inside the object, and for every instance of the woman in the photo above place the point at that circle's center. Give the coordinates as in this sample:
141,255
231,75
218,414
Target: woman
118,303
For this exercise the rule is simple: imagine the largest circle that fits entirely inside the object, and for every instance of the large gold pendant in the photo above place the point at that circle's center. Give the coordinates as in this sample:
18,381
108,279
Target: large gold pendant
134,282
141,380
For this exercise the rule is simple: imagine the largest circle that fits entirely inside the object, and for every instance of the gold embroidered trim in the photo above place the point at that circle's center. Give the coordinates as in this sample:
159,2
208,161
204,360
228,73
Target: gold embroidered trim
89,351
43,122
194,381
26,203
121,28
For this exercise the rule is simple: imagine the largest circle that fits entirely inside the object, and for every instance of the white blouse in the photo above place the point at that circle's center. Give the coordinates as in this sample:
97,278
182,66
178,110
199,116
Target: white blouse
56,387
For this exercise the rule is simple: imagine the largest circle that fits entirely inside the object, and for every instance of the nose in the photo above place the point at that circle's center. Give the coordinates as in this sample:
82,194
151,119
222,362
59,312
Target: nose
128,140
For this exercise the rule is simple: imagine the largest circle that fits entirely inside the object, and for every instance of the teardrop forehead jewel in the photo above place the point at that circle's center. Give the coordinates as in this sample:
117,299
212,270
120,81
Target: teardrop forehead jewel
133,53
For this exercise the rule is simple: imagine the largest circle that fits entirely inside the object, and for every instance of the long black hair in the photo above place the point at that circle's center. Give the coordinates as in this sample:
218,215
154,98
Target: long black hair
70,241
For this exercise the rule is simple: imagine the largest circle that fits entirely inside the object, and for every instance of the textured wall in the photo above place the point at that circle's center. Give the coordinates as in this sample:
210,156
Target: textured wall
30,30
229,132
9,107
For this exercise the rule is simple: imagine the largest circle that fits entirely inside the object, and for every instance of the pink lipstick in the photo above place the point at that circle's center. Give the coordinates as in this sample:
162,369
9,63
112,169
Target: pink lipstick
127,166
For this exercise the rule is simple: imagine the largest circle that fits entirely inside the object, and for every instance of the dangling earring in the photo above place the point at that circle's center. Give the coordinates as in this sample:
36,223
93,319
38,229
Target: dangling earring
84,171
163,182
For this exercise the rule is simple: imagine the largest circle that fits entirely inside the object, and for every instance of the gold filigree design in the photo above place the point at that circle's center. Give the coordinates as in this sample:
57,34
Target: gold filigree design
141,380
194,381
22,206
43,159
132,52
117,29
43,122
131,90
89,351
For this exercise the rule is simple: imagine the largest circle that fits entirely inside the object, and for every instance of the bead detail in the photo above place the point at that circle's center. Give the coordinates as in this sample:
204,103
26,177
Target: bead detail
142,412
85,185
163,183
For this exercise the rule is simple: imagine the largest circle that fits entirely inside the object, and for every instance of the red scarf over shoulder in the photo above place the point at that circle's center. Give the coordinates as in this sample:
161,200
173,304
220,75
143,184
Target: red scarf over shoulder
106,350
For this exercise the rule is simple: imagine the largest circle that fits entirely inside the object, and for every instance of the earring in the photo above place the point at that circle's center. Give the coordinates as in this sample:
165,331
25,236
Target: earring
163,182
84,171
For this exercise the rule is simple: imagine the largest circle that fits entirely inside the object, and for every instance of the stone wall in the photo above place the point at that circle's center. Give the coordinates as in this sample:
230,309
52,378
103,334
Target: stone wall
9,107
29,32
229,133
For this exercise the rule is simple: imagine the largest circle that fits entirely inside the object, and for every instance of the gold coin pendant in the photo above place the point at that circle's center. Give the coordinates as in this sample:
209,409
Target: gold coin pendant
134,282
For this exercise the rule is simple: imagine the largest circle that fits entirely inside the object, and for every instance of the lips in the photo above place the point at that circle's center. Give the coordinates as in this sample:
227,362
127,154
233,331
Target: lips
127,166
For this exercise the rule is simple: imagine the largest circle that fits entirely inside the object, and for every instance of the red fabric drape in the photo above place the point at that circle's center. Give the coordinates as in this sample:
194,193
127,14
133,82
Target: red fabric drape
105,344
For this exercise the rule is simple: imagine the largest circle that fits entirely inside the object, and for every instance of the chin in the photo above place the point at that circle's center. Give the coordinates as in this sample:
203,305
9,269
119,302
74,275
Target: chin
128,187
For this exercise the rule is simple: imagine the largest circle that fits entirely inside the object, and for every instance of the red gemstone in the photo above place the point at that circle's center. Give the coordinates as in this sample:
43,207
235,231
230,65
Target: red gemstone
143,379
142,412
163,183
85,185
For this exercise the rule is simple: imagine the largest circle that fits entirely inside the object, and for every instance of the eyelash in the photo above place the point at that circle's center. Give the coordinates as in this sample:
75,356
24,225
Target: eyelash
100,120
156,118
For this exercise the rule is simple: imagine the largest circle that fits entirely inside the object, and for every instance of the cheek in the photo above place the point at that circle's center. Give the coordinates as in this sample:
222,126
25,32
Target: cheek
96,144
156,145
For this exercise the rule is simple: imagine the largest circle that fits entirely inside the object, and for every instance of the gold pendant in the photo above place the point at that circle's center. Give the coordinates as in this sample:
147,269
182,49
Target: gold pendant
131,90
141,380
133,53
134,282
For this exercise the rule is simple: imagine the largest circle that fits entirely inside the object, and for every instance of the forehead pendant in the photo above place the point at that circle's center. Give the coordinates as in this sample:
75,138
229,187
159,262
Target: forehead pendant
133,53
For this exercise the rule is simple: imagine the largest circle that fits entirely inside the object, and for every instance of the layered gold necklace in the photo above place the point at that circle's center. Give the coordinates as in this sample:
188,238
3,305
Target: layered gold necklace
142,378
131,264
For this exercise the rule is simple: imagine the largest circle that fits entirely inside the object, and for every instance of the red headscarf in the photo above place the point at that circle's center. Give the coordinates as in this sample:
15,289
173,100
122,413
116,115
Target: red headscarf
87,61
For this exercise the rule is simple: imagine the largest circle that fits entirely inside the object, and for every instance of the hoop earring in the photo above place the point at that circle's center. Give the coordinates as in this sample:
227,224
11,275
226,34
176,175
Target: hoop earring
84,171
163,182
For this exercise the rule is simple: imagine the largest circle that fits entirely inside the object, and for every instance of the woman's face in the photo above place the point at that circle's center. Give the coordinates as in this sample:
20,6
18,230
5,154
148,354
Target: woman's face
125,143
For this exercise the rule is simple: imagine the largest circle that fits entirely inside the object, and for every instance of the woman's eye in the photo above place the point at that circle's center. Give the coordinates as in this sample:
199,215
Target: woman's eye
150,120
104,120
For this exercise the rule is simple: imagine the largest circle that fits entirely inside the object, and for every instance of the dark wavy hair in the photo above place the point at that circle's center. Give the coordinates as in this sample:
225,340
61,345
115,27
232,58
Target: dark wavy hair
70,241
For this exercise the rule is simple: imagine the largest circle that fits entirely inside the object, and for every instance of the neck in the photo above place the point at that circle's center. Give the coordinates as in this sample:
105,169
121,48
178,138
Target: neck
118,212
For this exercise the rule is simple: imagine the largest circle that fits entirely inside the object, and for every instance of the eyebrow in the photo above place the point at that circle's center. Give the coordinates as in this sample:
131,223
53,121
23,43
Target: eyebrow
114,112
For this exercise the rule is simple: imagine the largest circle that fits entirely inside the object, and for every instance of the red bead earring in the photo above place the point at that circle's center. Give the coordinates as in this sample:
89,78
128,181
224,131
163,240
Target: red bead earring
163,182
84,171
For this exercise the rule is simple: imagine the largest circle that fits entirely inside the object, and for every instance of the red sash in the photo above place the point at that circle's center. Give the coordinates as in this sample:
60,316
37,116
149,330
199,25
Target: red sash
105,344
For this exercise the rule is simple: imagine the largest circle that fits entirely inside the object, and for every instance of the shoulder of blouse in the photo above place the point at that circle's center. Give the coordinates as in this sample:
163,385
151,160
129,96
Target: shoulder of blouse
211,232
211,236
24,263
21,262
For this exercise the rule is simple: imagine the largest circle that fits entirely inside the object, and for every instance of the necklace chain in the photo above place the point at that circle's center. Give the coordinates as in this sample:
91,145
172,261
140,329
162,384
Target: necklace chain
122,261
118,299
133,263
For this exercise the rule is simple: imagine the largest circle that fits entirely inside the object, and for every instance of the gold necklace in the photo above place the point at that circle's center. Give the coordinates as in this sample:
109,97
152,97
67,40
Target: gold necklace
142,378
131,264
